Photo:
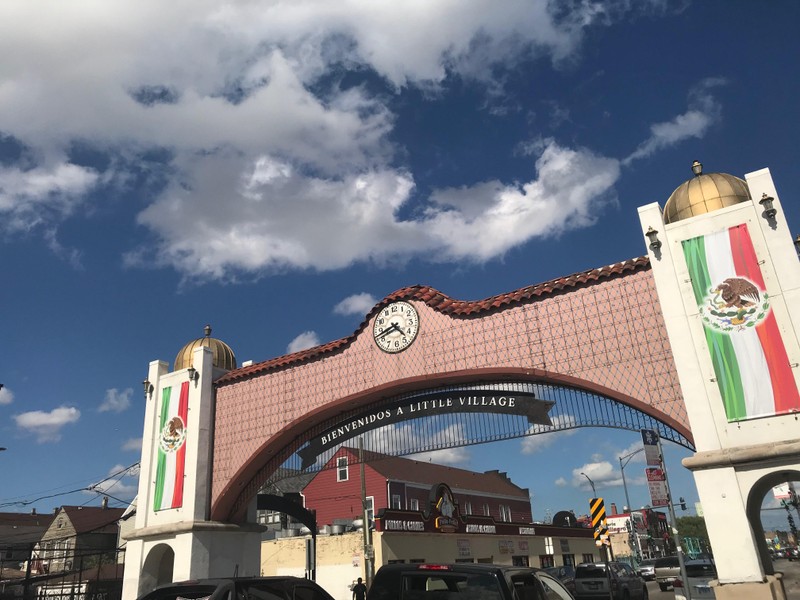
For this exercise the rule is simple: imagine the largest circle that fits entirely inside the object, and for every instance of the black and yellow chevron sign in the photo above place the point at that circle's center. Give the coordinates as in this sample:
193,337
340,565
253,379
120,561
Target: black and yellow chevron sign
598,512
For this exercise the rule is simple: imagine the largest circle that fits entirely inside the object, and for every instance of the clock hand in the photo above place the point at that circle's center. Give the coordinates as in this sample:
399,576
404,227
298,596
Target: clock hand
387,330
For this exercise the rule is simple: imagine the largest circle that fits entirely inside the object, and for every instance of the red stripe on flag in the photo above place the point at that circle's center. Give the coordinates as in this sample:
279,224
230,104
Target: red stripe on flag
180,456
784,389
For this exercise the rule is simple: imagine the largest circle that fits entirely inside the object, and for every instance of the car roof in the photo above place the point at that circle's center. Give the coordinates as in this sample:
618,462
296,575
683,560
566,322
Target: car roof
219,580
458,568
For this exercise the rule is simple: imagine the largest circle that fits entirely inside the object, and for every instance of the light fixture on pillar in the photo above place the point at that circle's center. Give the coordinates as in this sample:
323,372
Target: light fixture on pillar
652,237
796,247
148,389
766,202
697,168
193,374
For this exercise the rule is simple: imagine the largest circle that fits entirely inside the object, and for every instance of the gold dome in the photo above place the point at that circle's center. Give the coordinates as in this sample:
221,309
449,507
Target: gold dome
223,355
704,194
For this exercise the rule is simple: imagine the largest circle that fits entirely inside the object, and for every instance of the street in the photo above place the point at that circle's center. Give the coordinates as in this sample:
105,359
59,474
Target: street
791,582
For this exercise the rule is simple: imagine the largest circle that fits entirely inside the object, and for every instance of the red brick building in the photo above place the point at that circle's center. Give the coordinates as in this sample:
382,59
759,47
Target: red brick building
404,484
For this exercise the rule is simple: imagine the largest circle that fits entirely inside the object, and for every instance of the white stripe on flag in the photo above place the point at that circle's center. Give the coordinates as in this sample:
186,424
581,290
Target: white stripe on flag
756,382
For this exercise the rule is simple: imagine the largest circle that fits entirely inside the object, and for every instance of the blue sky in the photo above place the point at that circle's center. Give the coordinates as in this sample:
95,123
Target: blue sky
275,169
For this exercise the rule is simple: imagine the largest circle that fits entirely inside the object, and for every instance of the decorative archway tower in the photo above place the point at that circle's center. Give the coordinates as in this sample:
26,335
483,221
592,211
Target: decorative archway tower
174,538
728,281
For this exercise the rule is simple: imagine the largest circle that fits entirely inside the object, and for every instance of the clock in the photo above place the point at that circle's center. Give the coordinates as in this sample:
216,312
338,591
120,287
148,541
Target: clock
396,327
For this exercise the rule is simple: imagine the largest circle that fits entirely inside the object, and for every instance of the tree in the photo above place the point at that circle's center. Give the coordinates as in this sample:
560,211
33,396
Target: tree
693,527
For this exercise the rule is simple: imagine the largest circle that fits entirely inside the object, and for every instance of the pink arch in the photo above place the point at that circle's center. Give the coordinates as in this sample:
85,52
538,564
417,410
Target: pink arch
601,331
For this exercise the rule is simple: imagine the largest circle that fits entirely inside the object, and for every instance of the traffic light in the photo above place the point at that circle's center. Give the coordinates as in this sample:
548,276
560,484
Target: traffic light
683,503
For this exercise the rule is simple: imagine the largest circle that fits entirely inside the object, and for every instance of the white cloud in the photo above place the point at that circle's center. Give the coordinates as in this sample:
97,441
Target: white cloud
704,111
259,139
357,304
47,425
132,444
542,436
120,483
602,473
304,341
560,482
6,396
116,401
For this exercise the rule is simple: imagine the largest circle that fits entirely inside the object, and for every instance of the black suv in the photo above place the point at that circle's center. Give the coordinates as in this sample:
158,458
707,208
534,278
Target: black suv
464,581
241,588
592,580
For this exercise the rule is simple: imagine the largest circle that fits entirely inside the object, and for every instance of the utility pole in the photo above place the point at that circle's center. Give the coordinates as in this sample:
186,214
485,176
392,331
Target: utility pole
686,587
627,458
368,550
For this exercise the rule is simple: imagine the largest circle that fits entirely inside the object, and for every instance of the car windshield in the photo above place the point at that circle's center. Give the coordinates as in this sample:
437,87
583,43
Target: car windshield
450,586
667,561
184,592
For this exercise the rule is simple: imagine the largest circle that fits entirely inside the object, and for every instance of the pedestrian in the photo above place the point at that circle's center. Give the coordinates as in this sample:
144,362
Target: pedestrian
359,590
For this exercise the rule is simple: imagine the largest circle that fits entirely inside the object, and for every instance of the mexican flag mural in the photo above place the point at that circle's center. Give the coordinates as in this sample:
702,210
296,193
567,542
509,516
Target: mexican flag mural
171,449
746,348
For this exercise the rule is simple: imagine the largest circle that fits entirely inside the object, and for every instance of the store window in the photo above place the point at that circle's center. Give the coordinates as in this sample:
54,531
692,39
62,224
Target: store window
546,560
569,559
588,558
520,561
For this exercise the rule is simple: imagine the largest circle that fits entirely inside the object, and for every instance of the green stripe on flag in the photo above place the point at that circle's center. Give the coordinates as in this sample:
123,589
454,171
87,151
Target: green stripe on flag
720,347
161,468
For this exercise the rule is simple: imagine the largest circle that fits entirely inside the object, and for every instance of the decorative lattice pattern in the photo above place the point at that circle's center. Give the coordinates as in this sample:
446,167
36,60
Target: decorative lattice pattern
604,340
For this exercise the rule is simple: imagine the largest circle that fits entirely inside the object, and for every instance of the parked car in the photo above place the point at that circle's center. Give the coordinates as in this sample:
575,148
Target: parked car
592,580
234,588
565,574
647,569
699,574
667,569
422,581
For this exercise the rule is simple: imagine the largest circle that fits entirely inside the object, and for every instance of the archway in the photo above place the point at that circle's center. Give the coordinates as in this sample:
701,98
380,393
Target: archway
755,500
158,567
572,403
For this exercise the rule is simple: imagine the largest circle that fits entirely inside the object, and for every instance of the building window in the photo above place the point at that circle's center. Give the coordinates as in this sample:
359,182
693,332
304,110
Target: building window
341,469
414,504
546,560
465,560
395,561
588,558
548,545
467,508
505,513
520,561
569,560
486,512
396,501
414,561
370,509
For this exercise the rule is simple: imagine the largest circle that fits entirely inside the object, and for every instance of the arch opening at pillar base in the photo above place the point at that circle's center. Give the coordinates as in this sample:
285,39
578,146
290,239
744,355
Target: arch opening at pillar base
158,568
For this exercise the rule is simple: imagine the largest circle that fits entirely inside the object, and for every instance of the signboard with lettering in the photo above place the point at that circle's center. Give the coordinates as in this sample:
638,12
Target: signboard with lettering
467,401
651,454
657,482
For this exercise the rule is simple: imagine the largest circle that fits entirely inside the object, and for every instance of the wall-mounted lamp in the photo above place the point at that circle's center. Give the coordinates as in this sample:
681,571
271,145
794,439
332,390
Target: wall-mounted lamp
148,388
652,237
193,374
769,210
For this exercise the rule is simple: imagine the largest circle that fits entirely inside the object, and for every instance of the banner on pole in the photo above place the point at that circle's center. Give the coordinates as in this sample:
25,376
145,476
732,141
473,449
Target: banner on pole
650,441
657,482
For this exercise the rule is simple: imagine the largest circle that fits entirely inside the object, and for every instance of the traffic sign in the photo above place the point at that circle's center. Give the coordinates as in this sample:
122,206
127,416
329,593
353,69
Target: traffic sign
657,482
650,441
597,510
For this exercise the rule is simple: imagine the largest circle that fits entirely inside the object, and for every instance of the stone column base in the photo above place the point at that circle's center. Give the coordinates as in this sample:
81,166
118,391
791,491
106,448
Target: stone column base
771,589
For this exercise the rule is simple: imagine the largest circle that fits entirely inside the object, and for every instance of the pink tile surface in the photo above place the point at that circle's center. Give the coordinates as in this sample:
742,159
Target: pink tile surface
603,328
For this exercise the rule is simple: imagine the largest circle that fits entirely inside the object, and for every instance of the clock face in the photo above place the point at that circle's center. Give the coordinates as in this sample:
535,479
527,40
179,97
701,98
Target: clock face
395,327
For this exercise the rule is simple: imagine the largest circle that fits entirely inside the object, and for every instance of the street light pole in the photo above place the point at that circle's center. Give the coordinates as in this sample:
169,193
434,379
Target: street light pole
627,458
591,483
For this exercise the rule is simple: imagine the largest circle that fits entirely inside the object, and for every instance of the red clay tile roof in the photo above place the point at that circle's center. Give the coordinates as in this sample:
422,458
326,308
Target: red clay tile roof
395,468
443,304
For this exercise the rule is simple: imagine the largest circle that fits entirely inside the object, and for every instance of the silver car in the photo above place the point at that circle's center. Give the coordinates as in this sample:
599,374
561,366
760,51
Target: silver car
647,569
